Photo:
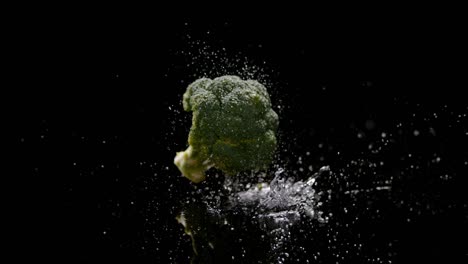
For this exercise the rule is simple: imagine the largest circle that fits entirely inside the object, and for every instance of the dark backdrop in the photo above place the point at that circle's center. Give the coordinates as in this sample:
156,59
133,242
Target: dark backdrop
99,127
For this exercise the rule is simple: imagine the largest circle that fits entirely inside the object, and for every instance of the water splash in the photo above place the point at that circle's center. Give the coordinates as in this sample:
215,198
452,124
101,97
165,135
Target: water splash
280,204
270,209
283,200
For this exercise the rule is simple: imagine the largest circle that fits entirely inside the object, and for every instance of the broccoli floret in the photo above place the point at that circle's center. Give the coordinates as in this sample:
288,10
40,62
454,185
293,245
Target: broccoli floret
233,127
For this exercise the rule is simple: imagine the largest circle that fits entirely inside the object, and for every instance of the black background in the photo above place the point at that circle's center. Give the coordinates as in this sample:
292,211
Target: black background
98,131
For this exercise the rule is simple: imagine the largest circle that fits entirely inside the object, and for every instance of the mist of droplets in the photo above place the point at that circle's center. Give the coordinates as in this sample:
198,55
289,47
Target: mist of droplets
296,196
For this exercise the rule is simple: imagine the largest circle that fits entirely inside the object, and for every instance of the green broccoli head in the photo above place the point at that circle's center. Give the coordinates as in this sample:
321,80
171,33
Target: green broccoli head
233,127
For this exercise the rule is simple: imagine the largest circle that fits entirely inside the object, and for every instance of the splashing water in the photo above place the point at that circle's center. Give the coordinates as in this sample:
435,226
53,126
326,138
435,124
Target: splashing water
283,201
271,208
280,205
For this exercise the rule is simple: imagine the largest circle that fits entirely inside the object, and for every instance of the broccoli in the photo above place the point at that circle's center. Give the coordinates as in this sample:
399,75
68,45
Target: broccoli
233,127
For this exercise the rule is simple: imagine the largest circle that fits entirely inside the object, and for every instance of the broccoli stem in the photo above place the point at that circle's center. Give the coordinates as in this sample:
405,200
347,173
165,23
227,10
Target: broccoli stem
191,167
